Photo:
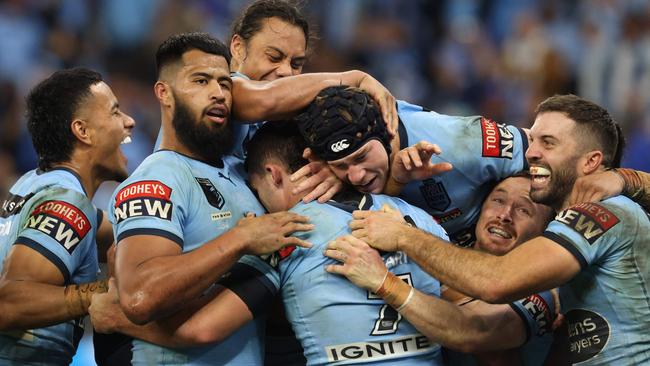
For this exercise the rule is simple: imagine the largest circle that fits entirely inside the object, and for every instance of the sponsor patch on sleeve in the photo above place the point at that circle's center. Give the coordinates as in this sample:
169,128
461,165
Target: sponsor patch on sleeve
144,198
590,220
62,221
539,311
498,141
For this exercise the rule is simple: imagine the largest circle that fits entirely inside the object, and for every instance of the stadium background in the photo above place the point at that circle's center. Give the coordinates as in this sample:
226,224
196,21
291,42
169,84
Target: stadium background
496,58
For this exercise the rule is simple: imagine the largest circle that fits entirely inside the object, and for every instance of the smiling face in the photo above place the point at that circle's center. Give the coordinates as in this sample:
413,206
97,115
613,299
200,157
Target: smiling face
201,91
553,156
366,169
109,127
509,217
276,50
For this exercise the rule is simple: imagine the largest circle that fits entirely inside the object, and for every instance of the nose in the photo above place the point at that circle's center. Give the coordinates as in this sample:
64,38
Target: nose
284,70
129,122
216,93
533,153
505,213
356,174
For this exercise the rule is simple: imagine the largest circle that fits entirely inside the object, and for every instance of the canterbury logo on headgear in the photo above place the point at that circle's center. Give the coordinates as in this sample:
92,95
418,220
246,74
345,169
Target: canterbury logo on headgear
340,145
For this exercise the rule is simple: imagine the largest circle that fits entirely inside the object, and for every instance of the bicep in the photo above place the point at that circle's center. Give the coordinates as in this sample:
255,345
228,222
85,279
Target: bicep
134,251
26,264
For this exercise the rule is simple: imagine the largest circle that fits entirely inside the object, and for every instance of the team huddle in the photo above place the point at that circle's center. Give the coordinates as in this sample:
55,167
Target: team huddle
291,219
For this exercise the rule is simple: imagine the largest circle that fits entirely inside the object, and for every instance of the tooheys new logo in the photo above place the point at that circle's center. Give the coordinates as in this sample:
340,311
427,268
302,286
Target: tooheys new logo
498,141
591,220
340,145
538,309
63,222
144,198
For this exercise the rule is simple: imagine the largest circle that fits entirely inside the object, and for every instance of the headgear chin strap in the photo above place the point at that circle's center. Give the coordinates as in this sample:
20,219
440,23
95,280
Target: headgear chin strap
339,121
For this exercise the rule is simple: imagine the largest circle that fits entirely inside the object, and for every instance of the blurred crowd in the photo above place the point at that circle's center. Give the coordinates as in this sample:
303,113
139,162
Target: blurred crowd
497,58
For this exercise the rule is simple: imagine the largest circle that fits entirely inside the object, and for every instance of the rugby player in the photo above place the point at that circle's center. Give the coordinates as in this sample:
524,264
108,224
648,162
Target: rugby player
48,225
185,216
594,251
508,334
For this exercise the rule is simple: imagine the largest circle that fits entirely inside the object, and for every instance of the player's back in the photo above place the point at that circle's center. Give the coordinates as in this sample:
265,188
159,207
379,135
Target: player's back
50,213
606,305
337,322
482,153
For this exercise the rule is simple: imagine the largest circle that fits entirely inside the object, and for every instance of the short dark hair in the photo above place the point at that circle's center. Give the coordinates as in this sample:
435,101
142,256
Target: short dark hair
594,121
51,108
250,20
276,140
173,48
340,120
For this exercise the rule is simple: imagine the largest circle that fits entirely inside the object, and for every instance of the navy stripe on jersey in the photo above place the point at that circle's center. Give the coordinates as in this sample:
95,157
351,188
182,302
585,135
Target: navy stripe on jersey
150,231
524,319
566,244
21,240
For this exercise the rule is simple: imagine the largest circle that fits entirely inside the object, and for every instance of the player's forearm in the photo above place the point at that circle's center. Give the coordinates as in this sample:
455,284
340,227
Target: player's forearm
28,305
449,263
162,285
637,186
281,98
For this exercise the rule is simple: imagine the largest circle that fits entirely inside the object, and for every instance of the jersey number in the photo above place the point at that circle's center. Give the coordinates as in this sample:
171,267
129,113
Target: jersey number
389,318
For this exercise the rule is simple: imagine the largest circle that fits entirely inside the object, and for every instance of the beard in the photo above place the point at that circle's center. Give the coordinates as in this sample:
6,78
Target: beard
209,142
560,186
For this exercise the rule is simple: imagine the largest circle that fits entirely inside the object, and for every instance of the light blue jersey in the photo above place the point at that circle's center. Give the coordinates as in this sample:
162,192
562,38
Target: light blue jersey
482,153
339,323
190,203
537,313
50,213
242,131
606,305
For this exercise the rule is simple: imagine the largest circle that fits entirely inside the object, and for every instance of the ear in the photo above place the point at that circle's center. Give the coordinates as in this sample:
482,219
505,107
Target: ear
592,161
163,93
238,49
81,131
276,174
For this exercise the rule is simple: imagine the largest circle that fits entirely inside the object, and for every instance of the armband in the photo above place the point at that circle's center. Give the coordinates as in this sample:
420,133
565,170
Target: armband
395,292
78,297
637,185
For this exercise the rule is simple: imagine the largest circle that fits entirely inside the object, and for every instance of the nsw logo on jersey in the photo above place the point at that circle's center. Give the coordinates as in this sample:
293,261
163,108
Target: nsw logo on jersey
13,204
591,220
215,198
435,194
498,141
539,311
144,198
61,221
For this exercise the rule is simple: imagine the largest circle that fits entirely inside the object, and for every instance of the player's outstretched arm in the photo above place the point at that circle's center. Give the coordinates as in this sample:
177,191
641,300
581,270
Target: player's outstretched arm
279,99
33,295
414,163
480,275
155,279
208,319
476,327
599,186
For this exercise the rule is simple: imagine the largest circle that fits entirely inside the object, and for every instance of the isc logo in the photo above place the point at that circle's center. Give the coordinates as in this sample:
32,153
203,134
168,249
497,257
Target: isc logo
340,145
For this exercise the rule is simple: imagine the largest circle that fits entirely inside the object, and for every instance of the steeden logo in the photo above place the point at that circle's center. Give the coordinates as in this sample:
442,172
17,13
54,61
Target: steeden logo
340,145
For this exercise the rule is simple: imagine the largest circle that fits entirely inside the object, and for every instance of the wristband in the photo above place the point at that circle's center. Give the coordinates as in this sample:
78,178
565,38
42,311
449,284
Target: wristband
394,291
77,297
633,186
408,299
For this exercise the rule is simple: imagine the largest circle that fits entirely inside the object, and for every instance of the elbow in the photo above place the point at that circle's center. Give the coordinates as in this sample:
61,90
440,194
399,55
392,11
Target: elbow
138,307
497,292
203,337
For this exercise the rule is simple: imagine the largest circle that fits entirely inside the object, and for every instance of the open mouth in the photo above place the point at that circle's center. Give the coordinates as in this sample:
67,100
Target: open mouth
217,115
366,187
499,232
127,140
539,175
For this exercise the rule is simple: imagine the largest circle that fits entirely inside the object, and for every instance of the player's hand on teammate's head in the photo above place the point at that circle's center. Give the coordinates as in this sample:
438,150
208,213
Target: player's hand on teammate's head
380,229
360,263
596,187
386,101
318,182
271,232
414,163
105,312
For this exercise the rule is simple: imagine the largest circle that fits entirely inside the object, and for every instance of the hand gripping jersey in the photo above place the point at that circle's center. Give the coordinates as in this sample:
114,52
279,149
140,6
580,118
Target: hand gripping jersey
339,323
537,312
190,203
606,305
50,213
482,152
